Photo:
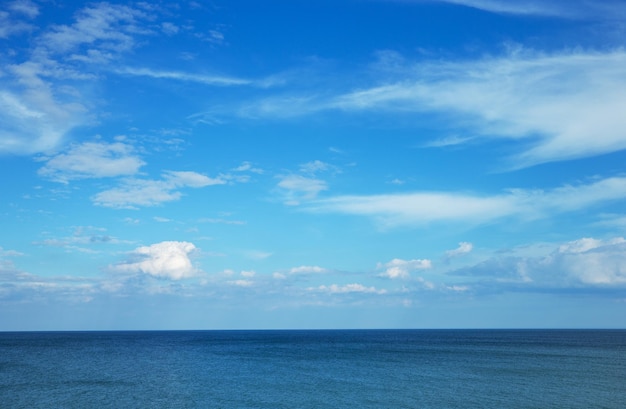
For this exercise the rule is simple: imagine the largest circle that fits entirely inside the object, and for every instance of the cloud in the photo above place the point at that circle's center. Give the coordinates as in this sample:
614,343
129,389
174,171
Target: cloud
296,188
102,27
83,239
570,104
92,160
558,106
426,207
398,268
247,167
308,270
11,22
9,253
577,9
241,283
144,192
42,98
586,262
33,117
315,166
182,76
167,259
464,248
347,288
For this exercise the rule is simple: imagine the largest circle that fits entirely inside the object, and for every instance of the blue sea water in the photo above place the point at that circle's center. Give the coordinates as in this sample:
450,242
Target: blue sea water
314,369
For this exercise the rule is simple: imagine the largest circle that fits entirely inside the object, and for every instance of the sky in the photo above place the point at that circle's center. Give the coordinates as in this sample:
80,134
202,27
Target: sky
312,164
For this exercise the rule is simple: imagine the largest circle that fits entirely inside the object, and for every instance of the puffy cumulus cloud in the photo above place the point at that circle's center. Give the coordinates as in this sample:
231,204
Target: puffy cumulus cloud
92,160
464,248
167,259
143,192
398,268
296,188
586,262
347,288
591,261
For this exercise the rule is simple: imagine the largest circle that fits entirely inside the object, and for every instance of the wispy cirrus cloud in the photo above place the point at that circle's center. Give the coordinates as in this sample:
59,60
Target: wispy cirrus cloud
392,210
347,289
297,188
12,17
463,249
92,160
149,192
569,103
42,96
582,263
99,32
214,80
574,9
564,105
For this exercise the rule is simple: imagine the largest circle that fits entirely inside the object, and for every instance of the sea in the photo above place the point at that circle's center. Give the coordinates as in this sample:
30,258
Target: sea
314,369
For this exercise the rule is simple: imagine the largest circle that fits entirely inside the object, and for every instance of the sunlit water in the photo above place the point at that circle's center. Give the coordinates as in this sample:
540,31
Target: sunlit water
314,369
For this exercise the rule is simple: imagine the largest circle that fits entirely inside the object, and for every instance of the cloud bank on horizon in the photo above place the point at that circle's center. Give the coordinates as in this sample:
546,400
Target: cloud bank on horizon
386,164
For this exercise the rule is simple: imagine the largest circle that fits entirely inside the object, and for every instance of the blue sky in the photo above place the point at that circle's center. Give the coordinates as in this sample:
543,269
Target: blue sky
312,164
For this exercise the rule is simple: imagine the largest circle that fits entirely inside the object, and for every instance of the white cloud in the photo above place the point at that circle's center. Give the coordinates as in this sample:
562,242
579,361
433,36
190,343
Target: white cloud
221,221
167,259
424,207
25,7
464,248
398,268
142,192
247,167
100,26
92,160
257,254
10,18
586,262
296,188
580,9
348,288
37,112
315,166
169,28
570,104
183,76
33,117
561,106
9,253
308,270
242,283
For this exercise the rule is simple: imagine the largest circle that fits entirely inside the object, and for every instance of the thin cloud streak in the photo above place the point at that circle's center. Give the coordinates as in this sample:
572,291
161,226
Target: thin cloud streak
573,9
182,76
395,210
